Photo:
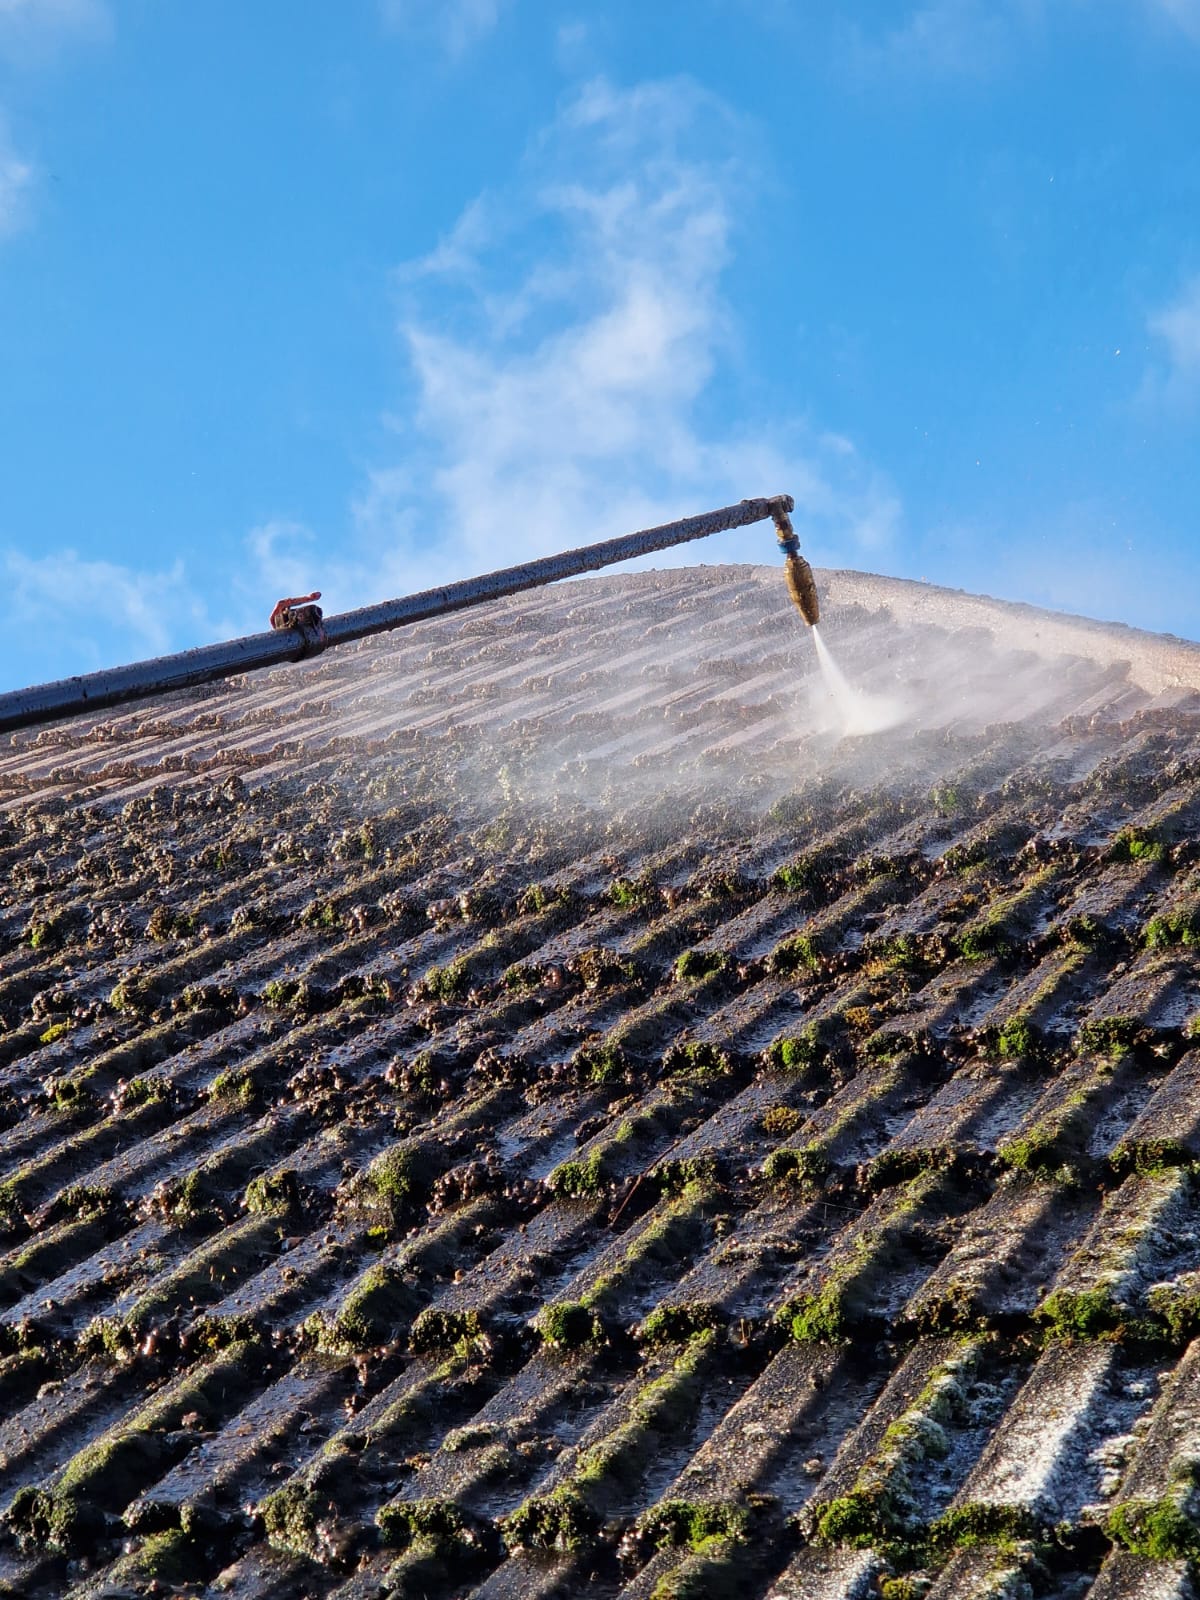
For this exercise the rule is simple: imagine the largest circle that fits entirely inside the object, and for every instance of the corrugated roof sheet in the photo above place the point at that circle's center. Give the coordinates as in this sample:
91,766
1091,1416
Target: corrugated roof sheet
525,1106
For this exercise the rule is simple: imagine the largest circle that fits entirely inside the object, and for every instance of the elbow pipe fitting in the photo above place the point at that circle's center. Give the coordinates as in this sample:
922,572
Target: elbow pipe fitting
797,573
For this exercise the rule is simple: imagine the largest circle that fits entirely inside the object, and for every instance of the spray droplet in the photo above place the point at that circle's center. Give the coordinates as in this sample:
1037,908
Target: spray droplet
858,712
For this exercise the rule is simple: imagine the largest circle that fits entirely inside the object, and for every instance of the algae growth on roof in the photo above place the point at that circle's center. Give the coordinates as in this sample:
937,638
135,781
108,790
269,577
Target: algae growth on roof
526,1106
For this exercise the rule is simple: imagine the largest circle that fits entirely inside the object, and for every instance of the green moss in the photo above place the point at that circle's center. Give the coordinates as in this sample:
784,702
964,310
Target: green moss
45,933
1018,1039
581,1180
164,924
901,954
235,1084
378,1305
440,1523
519,979
716,1572
1082,1314
1037,1152
436,1330
820,1318
997,841
290,1515
72,1094
287,994
273,1192
1086,933
569,1325
700,1061
1161,1530
1108,1035
903,1588
1177,927
320,914
641,891
1177,1304
106,1475
679,1324
145,1091
779,1121
448,983
797,876
84,1200
559,1521
674,1176
972,1524
56,1030
135,992
811,1047
853,1519
398,1177
689,1522
43,1520
989,937
694,965
946,799
1151,1158
603,1062
1138,844
892,1167
169,1560
801,953
190,1196
661,1409
788,1166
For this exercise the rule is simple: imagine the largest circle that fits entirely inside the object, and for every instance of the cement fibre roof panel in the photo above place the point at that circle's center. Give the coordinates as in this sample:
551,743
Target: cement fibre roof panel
554,1100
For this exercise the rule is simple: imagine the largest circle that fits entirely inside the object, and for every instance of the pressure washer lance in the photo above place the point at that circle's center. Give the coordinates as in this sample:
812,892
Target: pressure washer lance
798,575
299,629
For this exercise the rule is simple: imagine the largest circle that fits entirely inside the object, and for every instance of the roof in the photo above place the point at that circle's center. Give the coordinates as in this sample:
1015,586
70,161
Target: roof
527,1103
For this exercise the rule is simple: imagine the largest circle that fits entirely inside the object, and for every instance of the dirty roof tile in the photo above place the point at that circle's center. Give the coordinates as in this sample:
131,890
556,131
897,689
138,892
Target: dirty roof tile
527,1106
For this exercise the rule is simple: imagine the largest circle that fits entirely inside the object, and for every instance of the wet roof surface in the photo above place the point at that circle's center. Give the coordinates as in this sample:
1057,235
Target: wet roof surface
525,1106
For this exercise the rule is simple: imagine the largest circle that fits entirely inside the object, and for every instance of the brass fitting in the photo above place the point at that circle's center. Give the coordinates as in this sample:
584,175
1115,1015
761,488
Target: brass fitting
802,587
798,575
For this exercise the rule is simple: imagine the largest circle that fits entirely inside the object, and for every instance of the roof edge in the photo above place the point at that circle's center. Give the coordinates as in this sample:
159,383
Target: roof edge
1155,661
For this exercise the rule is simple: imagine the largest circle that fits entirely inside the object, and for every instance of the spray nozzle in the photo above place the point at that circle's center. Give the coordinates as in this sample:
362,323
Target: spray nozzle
798,575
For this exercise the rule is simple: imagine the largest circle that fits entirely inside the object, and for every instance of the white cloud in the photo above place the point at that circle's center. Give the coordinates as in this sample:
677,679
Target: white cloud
1175,379
98,599
1178,325
1184,14
570,342
31,30
944,39
456,24
16,179
575,363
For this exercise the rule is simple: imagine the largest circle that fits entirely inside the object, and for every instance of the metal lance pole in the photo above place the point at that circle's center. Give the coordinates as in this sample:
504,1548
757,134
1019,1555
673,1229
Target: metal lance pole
95,691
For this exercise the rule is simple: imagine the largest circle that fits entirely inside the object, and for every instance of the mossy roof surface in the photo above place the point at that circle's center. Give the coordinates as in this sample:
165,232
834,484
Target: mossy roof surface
529,1105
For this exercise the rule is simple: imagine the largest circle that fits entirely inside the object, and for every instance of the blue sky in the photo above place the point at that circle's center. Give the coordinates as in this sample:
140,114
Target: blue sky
372,295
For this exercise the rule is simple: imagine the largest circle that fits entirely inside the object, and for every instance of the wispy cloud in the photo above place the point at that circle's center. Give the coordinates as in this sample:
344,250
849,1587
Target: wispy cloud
943,39
1183,14
455,24
975,39
1175,378
31,30
1178,325
16,179
100,602
31,33
565,341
